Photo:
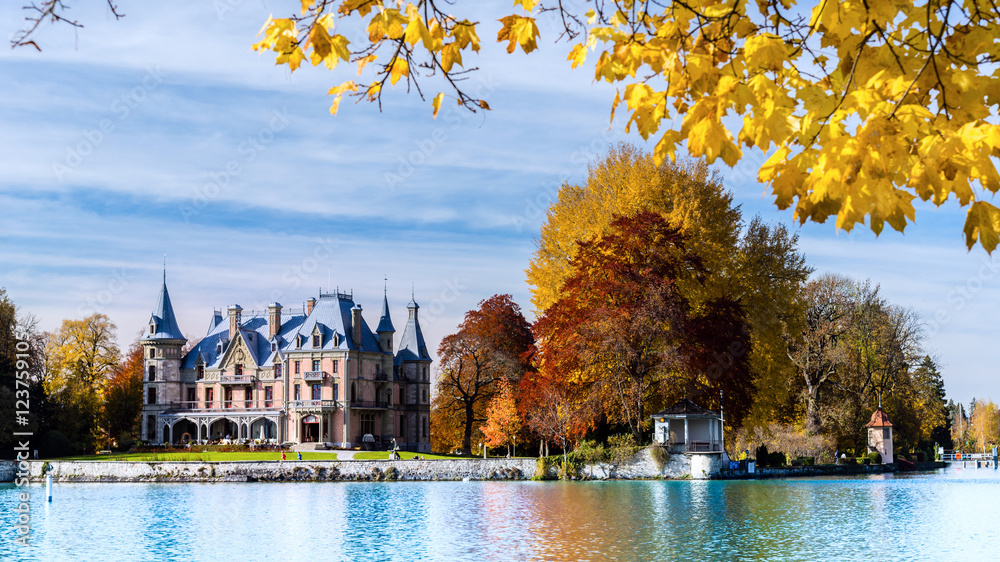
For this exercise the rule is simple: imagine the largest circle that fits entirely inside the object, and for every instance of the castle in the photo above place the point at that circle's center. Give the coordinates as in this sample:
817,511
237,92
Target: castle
320,375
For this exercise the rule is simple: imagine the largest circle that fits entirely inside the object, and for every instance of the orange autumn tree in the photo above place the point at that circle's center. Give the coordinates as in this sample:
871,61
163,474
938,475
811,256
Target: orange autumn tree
503,422
123,398
494,343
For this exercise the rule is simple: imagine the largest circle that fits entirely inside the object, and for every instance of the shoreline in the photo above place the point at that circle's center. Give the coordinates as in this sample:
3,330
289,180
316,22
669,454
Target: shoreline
493,469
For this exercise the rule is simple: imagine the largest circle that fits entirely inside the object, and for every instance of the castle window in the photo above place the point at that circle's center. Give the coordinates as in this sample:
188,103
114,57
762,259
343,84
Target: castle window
336,392
209,397
277,370
316,365
316,340
151,396
239,370
335,363
152,374
298,365
152,353
228,398
298,341
268,396
336,340
274,346
200,372
317,390
298,393
218,348
426,428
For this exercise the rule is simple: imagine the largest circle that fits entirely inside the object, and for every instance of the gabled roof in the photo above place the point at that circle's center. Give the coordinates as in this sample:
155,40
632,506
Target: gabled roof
685,408
412,346
163,319
385,323
879,419
332,314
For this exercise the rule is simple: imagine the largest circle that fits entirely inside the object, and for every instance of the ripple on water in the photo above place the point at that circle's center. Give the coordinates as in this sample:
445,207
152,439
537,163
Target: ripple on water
952,513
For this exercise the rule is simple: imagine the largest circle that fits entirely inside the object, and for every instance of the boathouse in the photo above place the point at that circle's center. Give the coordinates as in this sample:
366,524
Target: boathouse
694,432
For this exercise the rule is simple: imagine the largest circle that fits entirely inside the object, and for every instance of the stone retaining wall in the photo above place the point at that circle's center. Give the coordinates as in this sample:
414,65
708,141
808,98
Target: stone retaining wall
277,471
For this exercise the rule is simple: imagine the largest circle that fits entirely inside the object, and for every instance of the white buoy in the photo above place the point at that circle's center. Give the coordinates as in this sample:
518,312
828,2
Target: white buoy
48,486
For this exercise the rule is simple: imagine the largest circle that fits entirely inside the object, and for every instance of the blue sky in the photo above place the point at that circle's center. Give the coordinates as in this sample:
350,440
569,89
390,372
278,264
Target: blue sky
117,139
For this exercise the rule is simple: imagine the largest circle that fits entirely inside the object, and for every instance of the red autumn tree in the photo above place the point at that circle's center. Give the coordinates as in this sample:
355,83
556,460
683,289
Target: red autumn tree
123,398
493,343
623,330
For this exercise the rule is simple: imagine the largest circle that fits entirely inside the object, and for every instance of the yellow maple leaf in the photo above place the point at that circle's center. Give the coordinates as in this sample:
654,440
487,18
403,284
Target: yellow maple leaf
518,30
397,69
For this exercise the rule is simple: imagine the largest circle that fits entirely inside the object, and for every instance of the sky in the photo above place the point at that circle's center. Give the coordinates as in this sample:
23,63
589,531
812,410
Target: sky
165,134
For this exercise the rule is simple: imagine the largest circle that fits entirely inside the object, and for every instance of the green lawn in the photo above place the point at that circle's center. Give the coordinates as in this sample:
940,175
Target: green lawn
207,456
405,455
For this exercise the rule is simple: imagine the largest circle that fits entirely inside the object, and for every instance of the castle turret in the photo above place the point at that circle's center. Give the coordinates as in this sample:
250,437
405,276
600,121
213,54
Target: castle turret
161,349
385,330
413,365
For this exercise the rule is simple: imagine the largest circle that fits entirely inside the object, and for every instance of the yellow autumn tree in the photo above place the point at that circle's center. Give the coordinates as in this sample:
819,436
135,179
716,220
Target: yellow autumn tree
503,422
755,264
82,355
863,106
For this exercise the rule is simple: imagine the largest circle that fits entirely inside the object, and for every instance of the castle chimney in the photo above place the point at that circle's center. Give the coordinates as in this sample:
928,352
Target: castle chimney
234,319
274,318
309,305
356,325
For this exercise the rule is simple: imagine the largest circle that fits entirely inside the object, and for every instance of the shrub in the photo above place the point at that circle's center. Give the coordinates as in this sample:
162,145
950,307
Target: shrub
54,444
762,455
391,473
874,457
621,448
660,456
849,460
808,461
776,459
589,452
542,468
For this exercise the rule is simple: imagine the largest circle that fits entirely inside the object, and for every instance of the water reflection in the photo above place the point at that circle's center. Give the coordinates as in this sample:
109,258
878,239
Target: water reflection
953,513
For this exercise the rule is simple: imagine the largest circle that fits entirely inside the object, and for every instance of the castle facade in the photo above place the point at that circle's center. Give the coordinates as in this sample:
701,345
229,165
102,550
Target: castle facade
319,374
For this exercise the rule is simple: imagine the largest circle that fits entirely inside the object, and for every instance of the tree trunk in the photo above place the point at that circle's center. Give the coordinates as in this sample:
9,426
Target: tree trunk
812,410
467,437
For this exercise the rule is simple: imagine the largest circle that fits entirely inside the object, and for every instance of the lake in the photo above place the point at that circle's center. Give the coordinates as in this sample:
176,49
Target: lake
953,513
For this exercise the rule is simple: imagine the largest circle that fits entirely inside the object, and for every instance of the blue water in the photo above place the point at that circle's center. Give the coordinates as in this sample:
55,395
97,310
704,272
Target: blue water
948,514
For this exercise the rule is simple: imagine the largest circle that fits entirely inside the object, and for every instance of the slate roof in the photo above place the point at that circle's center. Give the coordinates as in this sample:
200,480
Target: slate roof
412,346
686,408
385,323
879,419
331,315
164,320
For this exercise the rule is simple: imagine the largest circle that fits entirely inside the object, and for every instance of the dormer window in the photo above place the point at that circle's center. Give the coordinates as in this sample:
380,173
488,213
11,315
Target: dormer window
218,348
274,347
316,340
336,340
298,341
200,372
152,328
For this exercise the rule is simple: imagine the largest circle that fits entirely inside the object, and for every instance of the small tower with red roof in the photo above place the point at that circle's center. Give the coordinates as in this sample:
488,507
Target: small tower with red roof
880,434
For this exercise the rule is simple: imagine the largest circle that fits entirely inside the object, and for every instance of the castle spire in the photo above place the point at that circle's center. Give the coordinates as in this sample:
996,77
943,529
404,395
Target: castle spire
385,322
163,323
